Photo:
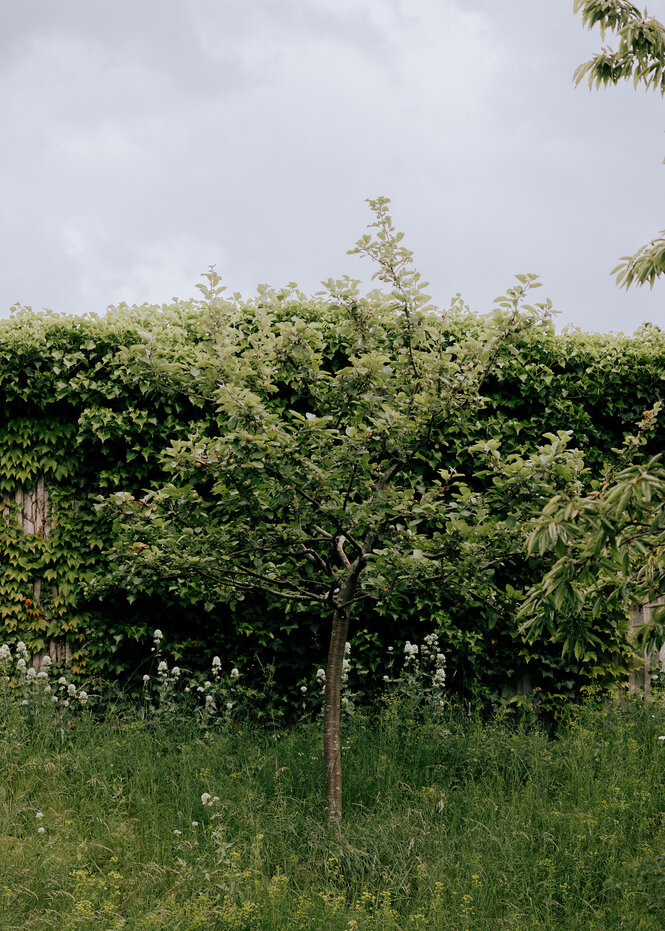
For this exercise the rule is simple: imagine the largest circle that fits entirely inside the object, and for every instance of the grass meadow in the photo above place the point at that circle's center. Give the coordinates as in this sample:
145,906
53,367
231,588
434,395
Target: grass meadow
118,822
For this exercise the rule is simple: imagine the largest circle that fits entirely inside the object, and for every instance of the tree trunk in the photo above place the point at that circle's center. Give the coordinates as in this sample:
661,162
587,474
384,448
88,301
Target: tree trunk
332,748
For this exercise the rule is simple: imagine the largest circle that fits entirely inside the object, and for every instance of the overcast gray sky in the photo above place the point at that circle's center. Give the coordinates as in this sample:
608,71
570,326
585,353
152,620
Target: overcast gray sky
147,139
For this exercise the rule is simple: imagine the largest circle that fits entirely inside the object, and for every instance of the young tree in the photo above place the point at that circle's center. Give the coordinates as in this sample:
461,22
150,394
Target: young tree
640,55
325,481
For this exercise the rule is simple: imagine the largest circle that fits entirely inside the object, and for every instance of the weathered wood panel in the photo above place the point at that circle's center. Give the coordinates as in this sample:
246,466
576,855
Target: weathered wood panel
647,663
34,516
34,512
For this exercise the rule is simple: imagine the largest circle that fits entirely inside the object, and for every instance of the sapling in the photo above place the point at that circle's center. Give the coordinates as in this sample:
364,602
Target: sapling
321,483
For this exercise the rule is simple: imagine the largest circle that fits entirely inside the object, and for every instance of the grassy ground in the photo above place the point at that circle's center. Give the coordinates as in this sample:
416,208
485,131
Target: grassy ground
455,826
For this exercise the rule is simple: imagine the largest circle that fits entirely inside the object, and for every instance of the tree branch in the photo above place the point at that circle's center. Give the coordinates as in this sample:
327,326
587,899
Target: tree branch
342,554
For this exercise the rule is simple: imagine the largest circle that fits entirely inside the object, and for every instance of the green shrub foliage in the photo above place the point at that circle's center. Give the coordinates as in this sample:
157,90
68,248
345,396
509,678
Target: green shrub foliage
96,408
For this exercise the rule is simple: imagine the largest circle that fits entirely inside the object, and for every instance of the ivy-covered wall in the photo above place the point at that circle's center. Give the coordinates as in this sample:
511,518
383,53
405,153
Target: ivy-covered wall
74,418
79,416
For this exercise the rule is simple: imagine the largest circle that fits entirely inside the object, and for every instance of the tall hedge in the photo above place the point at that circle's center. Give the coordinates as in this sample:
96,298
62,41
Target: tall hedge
80,414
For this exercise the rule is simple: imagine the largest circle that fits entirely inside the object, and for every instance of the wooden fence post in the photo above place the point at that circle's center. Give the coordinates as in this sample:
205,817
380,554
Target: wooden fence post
647,662
35,517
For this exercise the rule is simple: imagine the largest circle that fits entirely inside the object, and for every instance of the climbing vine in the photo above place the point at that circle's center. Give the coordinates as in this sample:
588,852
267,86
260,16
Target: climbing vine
90,405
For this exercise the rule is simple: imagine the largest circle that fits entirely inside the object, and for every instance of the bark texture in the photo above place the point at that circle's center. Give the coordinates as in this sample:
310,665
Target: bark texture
332,746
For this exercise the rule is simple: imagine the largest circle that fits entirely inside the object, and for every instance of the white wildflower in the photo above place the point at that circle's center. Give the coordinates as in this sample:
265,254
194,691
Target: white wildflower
158,635
31,673
71,689
234,673
41,830
39,814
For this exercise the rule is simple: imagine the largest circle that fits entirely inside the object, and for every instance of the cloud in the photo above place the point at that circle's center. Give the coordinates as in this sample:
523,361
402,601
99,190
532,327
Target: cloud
145,141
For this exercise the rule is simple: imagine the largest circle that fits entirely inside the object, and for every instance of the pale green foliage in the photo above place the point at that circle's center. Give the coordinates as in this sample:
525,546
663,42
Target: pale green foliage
610,548
640,56
299,497
645,266
641,51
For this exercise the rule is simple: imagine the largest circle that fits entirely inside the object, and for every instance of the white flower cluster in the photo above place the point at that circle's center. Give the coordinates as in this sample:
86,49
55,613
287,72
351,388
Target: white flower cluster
165,694
348,705
432,653
347,699
423,675
32,685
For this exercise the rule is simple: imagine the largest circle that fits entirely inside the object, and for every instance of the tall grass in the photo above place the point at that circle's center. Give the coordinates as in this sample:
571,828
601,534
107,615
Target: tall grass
119,823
